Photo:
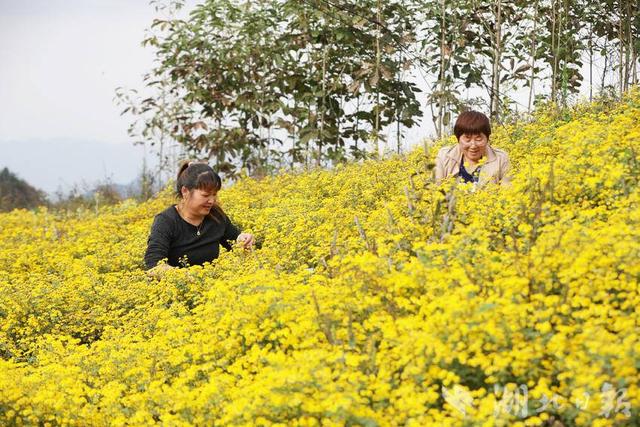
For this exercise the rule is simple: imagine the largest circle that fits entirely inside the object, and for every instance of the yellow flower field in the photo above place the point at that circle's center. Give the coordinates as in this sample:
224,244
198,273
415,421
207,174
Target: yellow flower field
375,298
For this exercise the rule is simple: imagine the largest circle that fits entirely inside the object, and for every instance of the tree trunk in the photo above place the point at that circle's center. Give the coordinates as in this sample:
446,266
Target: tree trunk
378,57
307,148
633,12
628,64
533,57
497,58
635,66
357,133
295,136
606,65
398,112
564,19
554,53
591,63
439,124
621,64
322,105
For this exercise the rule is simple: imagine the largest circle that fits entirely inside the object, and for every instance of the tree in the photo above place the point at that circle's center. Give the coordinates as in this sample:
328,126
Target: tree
16,193
262,85
252,84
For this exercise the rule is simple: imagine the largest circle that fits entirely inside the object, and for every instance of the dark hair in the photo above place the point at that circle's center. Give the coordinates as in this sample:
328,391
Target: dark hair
200,176
472,123
197,175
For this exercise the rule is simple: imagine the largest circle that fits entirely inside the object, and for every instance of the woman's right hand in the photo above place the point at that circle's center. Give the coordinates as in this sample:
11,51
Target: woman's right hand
158,271
246,239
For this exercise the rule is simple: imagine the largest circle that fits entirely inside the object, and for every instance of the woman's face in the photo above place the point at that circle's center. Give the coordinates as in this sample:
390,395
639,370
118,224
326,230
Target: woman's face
199,202
473,146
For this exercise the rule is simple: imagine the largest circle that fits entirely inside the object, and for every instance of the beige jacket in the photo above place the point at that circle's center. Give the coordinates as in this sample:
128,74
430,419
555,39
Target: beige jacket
496,169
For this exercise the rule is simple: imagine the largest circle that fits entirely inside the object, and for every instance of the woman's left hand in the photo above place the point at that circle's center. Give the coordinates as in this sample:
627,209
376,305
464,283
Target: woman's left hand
246,239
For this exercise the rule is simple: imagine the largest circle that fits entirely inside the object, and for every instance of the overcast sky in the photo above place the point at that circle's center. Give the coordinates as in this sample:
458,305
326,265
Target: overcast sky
60,63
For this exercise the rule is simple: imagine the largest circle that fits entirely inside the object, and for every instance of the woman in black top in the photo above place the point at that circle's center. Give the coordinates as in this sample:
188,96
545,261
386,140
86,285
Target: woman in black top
191,231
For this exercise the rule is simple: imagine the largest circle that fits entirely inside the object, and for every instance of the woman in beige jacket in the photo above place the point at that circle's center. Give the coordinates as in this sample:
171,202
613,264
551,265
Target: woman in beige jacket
472,159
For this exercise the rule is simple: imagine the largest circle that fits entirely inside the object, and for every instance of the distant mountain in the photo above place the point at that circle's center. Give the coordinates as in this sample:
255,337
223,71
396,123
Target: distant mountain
16,193
55,165
133,189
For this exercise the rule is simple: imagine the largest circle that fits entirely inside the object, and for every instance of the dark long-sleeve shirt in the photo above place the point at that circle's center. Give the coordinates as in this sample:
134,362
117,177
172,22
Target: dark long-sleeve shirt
177,240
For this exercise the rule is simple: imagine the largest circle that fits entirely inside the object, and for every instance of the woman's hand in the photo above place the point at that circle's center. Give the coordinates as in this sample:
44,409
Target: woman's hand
158,271
246,240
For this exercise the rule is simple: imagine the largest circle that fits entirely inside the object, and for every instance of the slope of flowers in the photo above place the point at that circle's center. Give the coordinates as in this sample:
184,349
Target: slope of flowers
376,298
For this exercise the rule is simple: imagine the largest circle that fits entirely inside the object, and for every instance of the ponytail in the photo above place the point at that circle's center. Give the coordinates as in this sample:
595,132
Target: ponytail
183,166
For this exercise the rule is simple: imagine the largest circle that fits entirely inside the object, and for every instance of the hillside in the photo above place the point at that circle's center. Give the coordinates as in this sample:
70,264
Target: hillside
376,298
17,193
